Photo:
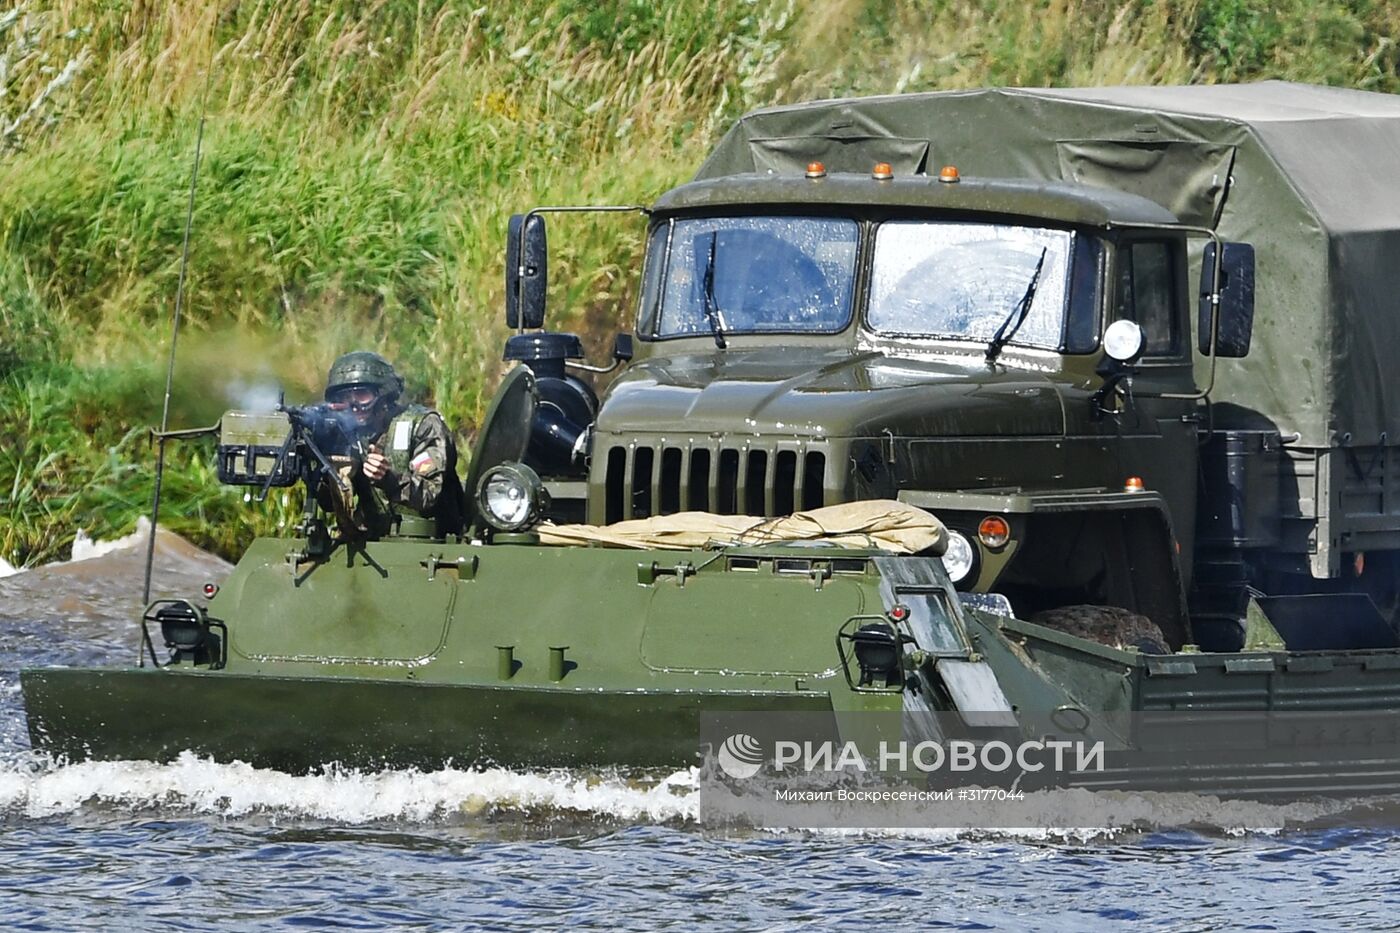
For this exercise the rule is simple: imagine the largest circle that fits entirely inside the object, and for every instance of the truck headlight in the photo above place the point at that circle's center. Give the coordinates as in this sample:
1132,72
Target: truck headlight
959,558
511,497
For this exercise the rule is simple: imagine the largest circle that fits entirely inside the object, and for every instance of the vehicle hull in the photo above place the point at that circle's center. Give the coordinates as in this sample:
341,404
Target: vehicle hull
420,655
301,724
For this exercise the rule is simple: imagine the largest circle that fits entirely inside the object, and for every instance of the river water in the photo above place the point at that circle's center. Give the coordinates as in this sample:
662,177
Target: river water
196,845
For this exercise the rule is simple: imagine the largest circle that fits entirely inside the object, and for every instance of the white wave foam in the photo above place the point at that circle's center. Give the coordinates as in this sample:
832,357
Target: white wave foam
33,788
85,548
202,786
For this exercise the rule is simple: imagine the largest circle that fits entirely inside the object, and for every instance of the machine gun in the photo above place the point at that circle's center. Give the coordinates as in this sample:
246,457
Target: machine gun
278,448
315,444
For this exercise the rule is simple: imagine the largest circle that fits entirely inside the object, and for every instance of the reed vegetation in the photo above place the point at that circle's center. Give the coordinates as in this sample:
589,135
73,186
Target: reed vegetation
361,159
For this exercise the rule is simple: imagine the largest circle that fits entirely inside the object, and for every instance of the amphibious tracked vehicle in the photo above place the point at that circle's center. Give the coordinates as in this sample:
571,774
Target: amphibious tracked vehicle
1128,345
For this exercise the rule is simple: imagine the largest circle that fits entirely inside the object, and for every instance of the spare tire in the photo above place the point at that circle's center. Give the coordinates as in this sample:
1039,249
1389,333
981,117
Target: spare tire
1107,625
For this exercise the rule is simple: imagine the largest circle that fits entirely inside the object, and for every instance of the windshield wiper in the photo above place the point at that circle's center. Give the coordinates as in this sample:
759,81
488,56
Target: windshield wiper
711,306
1018,314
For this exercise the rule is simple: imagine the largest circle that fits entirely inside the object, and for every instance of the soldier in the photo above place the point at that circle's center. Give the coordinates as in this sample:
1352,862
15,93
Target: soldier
411,464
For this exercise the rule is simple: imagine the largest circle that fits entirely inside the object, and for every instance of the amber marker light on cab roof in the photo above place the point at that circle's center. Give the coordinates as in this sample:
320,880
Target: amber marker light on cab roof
949,174
993,531
816,170
882,171
1133,484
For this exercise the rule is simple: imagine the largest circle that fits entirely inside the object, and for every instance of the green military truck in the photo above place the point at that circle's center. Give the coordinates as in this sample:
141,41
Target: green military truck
813,331
1129,345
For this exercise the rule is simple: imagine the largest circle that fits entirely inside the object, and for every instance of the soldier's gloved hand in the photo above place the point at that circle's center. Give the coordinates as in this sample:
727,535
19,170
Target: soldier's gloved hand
376,465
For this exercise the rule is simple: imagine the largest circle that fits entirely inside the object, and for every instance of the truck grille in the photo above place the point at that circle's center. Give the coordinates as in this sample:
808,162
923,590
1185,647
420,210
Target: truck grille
642,481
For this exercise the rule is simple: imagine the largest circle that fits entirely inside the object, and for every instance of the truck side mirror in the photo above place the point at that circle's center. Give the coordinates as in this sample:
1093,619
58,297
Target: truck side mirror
622,348
1236,300
527,271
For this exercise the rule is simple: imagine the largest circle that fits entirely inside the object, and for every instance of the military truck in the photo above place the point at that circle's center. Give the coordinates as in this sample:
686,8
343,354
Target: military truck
915,297
1126,344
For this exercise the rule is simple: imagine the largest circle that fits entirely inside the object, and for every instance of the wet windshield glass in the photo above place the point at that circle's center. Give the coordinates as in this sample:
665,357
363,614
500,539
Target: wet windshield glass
753,275
962,280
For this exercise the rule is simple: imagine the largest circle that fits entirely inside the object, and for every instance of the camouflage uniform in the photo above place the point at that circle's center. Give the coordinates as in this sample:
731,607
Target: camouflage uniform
422,459
422,467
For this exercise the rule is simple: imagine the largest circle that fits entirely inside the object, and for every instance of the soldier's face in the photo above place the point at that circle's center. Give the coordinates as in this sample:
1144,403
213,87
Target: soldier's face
362,401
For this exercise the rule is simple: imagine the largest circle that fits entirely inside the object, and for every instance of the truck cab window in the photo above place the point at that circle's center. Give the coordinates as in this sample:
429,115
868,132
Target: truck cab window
959,281
1147,295
751,275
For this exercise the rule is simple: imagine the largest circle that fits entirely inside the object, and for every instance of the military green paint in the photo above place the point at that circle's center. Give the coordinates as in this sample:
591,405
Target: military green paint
1058,204
373,612
357,618
1095,677
300,723
419,653
954,422
685,632
613,707
831,392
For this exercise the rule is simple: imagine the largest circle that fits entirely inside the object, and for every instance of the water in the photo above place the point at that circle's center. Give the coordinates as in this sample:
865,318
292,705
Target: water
196,845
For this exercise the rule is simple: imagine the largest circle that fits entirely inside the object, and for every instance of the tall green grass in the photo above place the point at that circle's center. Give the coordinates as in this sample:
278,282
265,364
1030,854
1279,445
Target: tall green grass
361,160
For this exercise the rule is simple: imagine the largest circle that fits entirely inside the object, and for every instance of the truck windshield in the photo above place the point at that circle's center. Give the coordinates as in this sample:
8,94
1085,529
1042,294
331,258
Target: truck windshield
962,280
751,275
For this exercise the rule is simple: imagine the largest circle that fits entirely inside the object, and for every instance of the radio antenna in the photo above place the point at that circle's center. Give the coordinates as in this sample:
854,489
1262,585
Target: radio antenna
161,435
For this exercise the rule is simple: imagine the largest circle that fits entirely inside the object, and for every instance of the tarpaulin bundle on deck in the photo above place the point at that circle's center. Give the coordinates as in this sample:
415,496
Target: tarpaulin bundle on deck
881,523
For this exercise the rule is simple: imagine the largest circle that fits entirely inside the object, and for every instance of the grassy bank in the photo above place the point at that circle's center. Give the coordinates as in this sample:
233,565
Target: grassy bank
361,160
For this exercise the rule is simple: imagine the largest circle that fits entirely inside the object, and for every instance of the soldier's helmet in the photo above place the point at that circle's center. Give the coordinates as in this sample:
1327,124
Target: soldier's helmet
363,369
367,385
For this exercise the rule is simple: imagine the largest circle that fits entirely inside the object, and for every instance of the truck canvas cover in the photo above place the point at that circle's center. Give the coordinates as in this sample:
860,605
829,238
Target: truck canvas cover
1306,174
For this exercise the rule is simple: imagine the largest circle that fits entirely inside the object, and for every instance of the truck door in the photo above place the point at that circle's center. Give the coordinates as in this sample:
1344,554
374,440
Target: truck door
1157,436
